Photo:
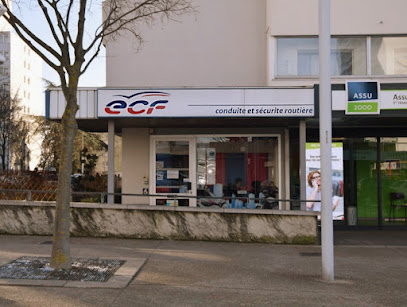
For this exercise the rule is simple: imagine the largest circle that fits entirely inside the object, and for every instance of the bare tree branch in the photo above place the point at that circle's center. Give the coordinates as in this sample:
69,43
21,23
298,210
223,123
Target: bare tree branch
23,32
51,26
62,23
79,52
94,56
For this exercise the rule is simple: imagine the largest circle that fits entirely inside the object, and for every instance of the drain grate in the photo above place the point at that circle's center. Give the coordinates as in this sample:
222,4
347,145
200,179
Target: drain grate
311,254
83,269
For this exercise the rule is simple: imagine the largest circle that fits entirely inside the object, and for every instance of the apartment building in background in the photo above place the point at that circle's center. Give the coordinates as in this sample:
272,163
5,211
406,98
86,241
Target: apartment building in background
21,76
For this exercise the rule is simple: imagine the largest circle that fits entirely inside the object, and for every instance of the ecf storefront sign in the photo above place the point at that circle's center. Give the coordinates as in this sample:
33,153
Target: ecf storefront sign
206,103
362,98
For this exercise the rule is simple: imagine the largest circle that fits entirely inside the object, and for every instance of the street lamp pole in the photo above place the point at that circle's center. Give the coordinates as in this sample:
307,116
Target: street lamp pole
325,137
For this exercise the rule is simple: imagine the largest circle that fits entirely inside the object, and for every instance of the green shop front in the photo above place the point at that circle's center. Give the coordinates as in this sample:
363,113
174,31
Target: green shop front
374,155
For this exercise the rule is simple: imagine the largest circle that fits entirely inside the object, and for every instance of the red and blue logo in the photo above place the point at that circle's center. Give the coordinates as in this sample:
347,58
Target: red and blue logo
139,103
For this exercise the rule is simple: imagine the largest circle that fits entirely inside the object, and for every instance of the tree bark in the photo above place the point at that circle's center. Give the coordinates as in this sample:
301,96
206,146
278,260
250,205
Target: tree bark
61,255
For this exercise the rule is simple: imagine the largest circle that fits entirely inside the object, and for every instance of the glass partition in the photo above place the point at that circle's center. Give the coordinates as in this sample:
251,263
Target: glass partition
173,167
238,170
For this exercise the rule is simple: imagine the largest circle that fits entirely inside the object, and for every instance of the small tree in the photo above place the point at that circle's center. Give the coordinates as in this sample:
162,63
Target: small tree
89,147
19,149
70,58
51,143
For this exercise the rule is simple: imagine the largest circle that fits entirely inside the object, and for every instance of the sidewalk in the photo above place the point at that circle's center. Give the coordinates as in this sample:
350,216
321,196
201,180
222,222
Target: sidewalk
215,273
371,237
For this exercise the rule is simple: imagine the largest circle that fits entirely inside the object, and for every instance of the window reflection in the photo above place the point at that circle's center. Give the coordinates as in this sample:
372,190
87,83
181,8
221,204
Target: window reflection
389,55
236,166
300,56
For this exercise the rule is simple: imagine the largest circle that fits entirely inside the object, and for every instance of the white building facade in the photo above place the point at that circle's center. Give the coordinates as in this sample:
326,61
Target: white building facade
21,75
223,102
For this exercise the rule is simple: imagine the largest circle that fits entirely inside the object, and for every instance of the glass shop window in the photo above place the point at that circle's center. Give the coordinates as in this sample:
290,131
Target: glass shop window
241,170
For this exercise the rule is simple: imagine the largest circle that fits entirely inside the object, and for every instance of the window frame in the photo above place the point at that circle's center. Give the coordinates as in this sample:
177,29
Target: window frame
369,73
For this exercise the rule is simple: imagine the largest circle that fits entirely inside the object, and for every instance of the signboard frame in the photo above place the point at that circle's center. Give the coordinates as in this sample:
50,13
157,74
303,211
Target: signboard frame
200,103
362,97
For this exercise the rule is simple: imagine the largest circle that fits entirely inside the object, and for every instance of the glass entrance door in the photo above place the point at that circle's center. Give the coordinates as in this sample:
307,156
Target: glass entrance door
173,171
393,171
361,179
377,187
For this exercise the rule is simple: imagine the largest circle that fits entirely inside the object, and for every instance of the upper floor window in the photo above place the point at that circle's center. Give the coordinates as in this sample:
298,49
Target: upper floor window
5,54
299,57
389,55
4,37
4,71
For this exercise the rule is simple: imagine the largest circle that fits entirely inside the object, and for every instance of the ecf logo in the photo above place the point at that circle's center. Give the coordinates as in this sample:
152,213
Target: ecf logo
138,103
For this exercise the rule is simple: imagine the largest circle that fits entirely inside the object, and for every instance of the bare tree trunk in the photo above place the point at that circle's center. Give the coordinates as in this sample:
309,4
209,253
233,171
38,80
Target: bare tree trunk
3,155
61,255
3,159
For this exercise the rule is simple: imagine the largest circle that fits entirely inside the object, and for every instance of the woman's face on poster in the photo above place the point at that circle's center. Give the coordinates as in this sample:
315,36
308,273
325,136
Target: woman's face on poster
316,178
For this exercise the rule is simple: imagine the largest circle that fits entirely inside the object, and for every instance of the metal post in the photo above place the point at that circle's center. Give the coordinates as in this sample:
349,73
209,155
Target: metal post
81,153
302,149
325,136
110,162
284,205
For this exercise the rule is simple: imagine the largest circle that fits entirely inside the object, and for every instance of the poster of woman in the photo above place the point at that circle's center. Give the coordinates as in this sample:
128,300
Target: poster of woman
313,179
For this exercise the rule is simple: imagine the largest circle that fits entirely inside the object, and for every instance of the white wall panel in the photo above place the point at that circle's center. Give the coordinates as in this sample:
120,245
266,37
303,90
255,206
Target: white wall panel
53,106
348,17
61,104
86,101
91,105
83,104
224,44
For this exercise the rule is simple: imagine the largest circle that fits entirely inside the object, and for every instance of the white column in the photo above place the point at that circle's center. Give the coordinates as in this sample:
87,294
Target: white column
369,55
302,150
325,137
110,163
